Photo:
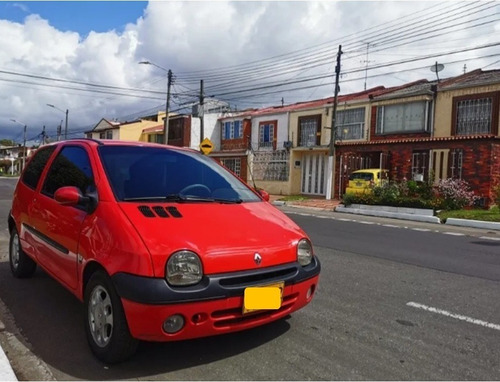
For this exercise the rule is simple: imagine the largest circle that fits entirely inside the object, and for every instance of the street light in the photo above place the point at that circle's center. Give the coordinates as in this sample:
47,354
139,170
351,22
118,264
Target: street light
66,124
24,143
169,83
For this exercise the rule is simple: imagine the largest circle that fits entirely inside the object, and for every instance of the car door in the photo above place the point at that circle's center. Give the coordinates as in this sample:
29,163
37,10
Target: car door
58,227
25,196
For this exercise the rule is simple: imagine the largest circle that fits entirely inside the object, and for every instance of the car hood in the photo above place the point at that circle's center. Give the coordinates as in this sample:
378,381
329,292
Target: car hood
225,236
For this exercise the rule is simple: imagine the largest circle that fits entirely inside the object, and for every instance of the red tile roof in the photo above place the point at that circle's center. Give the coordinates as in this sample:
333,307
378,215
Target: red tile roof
416,140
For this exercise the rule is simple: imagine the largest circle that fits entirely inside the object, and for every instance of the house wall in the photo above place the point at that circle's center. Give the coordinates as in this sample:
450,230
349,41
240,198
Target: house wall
97,134
240,143
133,131
282,129
444,107
211,129
326,121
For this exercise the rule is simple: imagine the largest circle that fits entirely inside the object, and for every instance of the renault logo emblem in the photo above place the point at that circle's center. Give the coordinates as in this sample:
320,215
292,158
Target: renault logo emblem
257,258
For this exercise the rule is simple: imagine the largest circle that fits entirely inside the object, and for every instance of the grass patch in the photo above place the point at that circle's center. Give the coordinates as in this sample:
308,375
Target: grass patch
293,198
491,215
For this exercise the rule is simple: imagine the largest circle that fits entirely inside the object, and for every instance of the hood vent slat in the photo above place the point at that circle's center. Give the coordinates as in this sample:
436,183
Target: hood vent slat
160,211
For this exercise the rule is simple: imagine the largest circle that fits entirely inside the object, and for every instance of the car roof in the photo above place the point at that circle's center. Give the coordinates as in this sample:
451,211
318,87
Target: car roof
113,142
370,170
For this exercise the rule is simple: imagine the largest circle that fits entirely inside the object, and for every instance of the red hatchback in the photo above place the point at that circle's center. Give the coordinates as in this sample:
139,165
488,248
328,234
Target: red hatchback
160,243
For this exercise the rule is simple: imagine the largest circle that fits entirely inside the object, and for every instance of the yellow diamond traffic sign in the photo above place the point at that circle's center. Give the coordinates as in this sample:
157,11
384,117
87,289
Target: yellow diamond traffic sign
206,146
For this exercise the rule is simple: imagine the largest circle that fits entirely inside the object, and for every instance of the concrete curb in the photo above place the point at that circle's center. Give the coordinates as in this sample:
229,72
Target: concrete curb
473,223
6,372
389,214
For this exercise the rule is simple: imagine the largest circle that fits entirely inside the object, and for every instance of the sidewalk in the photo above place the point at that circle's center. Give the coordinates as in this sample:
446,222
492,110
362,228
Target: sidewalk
319,204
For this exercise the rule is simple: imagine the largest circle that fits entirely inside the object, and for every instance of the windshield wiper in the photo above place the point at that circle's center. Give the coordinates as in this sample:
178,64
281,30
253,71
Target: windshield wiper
179,198
193,198
187,198
228,201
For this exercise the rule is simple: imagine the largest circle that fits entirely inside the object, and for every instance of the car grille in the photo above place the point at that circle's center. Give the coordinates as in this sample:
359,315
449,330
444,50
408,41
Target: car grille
236,281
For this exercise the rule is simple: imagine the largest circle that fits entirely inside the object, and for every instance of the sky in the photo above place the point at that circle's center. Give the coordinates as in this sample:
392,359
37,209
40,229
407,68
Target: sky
84,56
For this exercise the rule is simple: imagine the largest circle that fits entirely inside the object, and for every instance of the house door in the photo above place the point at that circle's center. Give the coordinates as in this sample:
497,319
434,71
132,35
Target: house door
314,174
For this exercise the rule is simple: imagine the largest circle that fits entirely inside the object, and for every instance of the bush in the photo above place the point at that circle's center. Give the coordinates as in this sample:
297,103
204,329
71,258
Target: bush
449,194
454,194
363,198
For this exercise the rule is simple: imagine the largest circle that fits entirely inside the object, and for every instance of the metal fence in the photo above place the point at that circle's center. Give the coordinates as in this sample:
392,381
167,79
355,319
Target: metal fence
271,165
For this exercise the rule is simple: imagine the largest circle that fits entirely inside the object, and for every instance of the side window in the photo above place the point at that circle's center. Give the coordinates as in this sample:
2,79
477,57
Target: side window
71,167
36,165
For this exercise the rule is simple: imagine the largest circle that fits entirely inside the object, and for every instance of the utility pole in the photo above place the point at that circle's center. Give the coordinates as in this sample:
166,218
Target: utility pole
66,126
165,125
366,61
201,113
24,148
329,183
169,84
59,128
43,135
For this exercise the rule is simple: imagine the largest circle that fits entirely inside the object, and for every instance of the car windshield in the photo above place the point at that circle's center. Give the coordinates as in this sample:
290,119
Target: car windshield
141,173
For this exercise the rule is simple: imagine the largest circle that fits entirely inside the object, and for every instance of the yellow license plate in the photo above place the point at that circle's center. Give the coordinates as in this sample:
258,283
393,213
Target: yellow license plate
263,297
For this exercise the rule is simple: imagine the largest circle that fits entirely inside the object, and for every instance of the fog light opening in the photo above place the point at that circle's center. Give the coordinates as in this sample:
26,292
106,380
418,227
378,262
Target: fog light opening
310,292
199,318
173,324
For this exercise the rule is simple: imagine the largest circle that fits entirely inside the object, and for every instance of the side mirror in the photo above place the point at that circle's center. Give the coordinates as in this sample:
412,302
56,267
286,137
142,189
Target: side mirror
68,196
263,194
72,196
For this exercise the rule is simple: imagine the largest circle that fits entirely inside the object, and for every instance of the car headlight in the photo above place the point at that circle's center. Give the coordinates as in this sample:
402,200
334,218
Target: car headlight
304,252
184,268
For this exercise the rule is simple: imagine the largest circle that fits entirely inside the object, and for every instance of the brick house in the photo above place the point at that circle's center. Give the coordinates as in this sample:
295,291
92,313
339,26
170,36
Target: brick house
235,134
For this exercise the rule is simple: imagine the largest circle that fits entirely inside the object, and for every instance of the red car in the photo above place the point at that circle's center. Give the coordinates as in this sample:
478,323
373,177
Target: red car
160,243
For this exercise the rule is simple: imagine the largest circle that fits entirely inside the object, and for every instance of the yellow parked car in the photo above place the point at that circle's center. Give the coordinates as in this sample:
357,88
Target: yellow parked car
364,180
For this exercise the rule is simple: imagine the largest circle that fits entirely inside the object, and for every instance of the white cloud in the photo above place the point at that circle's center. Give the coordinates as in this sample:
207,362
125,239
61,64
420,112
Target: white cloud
188,36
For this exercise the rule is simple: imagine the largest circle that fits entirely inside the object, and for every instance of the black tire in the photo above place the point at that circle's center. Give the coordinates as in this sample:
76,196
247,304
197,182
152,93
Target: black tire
105,322
21,265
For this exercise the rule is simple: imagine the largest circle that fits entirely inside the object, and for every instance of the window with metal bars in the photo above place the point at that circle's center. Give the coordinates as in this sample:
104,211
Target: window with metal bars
310,131
233,164
455,163
350,123
474,116
420,165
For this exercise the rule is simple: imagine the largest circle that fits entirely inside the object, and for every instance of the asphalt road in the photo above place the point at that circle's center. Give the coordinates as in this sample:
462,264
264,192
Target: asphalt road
396,301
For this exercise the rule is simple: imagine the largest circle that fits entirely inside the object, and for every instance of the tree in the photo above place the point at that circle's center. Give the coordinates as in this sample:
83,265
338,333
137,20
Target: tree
7,142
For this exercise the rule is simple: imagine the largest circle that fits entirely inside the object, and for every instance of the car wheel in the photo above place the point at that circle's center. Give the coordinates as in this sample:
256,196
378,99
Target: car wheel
105,322
21,264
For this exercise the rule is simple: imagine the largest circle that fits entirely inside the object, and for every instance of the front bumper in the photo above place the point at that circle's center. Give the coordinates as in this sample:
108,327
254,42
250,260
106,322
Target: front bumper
215,306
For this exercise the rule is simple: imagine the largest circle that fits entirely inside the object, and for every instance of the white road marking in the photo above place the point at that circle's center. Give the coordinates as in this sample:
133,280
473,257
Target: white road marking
390,225
490,238
365,222
421,229
346,220
453,315
454,233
